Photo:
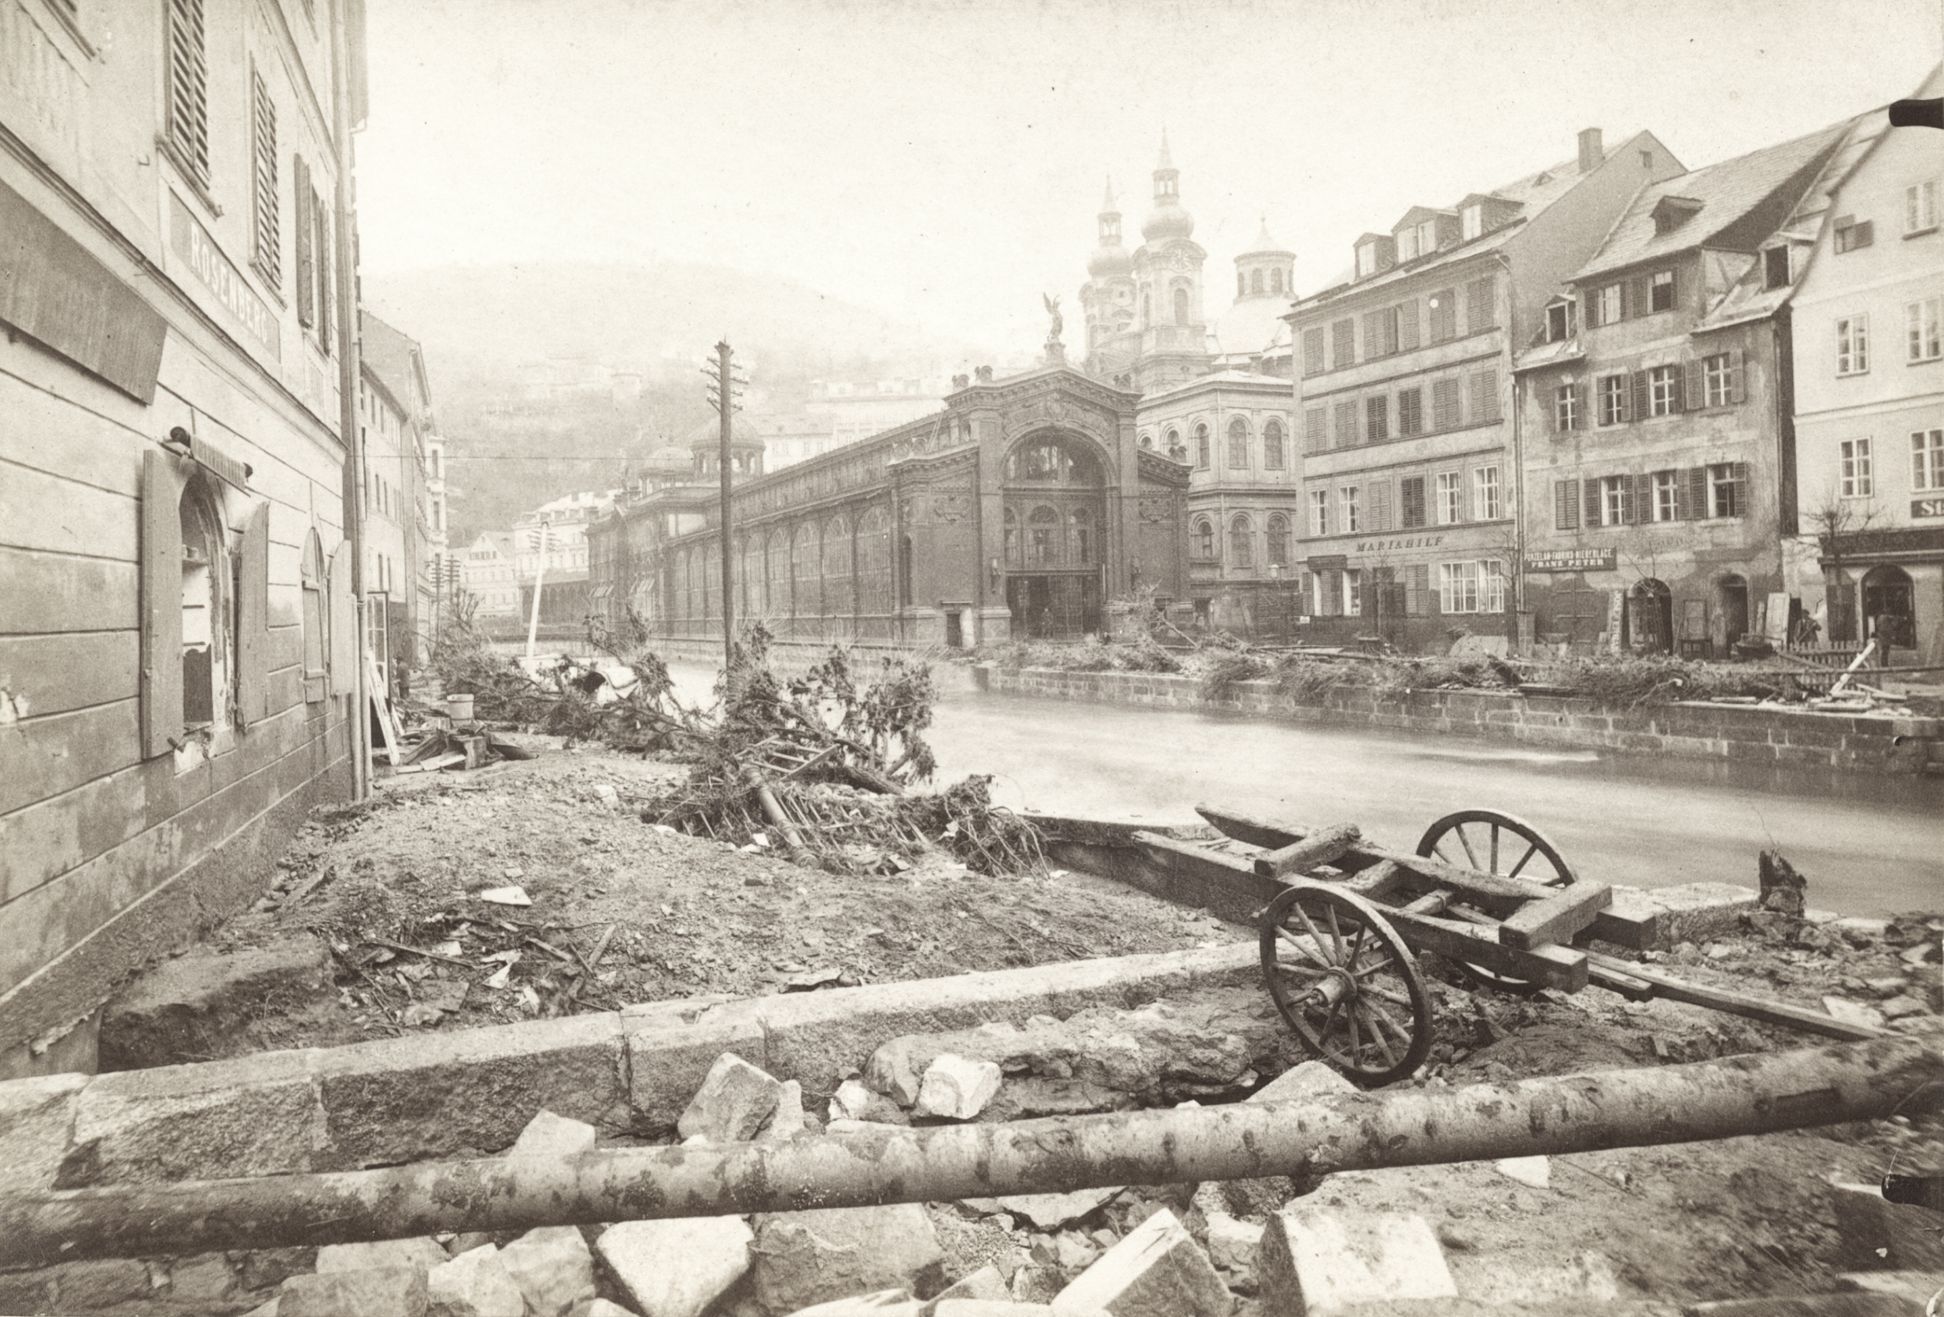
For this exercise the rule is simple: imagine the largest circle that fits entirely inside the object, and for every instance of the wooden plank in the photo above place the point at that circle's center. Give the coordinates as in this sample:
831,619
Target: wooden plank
52,592
381,705
1557,918
39,511
1272,834
161,560
1225,884
1322,847
1737,1003
41,675
1551,966
345,642
1627,985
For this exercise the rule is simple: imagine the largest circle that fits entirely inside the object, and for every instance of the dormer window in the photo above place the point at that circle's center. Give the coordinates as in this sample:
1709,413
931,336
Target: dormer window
1366,259
1472,219
1671,213
1775,268
1560,321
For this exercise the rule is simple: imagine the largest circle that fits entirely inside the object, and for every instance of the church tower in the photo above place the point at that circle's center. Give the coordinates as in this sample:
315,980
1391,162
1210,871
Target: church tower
1168,284
1107,298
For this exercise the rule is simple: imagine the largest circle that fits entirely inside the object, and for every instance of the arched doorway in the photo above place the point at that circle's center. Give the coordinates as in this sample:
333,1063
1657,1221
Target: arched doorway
1055,511
1650,617
1731,606
1890,607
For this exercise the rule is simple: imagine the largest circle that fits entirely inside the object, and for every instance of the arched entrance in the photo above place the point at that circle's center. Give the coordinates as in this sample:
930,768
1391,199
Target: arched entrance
1890,607
1650,617
1055,504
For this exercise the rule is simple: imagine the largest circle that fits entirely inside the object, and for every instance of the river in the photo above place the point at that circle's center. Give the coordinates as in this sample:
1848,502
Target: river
1877,848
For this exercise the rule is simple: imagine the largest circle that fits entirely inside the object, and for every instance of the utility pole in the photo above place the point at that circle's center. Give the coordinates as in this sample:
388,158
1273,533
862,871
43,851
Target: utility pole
722,391
350,431
539,576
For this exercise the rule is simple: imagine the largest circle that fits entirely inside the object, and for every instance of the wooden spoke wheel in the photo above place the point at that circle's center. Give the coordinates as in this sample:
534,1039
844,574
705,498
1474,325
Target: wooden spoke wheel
1346,983
1502,844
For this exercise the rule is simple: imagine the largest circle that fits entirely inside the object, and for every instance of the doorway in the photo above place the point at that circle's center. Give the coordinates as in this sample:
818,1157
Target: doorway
1650,617
1890,607
1054,605
1731,603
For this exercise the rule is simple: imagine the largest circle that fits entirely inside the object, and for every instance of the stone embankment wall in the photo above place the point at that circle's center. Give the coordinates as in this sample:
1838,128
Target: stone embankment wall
1886,744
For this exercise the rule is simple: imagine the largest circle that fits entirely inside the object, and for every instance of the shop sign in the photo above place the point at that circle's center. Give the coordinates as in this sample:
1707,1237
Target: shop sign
224,281
1927,507
1401,542
1571,560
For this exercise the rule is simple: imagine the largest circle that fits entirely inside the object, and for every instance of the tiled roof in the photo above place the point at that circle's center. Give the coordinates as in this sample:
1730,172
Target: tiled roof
387,353
1726,191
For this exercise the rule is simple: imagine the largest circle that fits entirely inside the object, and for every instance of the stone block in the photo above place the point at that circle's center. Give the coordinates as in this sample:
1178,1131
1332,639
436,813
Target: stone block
957,1087
803,1258
36,1117
1156,1270
676,1267
552,1268
1313,1263
474,1284
446,1094
1232,1247
788,1120
1310,1079
257,1115
734,1101
191,1005
548,1135
372,1292
422,1253
672,1045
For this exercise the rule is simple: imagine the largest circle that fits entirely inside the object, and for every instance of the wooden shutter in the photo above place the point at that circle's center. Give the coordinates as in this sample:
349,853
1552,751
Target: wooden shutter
1566,504
189,88
1642,506
1373,334
1407,325
1735,389
306,266
1411,496
263,179
346,644
324,290
1379,510
1693,386
1417,588
1697,493
1637,409
161,586
1592,501
1640,295
253,620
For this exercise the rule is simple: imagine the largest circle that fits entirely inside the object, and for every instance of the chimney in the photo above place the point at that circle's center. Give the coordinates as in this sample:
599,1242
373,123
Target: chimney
1591,153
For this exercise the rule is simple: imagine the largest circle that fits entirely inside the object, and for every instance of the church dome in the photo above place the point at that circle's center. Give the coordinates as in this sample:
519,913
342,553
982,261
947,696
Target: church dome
1107,262
671,460
1168,219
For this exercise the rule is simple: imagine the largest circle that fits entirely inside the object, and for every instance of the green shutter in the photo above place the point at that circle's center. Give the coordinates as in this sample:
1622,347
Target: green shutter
161,586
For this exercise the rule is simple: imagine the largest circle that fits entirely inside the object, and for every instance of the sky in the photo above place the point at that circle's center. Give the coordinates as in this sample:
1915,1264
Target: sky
944,162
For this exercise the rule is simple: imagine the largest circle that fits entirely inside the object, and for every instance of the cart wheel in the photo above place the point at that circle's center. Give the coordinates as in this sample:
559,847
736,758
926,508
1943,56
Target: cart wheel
1502,844
1346,983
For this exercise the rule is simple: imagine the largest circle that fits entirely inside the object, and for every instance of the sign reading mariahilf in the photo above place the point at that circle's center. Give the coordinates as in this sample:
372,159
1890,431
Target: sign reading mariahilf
1571,560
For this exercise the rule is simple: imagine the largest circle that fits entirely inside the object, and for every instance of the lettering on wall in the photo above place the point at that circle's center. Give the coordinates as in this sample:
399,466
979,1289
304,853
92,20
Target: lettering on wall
214,271
1571,560
1927,507
39,88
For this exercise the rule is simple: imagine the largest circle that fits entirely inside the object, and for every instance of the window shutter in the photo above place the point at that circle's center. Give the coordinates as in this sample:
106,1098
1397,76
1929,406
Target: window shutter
1693,387
263,138
324,285
1735,375
189,88
1639,296
1380,505
253,620
1697,493
161,586
346,644
1680,498
1642,504
1407,325
1582,399
306,267
1637,407
1743,494
1592,501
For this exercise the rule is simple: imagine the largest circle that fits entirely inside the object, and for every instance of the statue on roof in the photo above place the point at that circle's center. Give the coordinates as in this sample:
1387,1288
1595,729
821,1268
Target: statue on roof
1055,350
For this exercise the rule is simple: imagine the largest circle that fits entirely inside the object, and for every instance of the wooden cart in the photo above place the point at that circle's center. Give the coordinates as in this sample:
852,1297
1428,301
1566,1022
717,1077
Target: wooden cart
1345,918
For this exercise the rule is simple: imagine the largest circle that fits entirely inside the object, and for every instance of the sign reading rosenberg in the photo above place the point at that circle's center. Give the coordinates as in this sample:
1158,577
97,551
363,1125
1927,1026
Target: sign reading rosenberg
224,281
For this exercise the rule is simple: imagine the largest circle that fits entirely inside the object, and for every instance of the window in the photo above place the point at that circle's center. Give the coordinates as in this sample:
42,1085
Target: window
1204,538
204,603
1042,542
1276,279
1450,508
1612,500
1444,405
188,108
1921,336
1272,445
1775,267
1366,259
1201,447
1175,449
1407,243
1663,391
1491,576
1353,592
1927,460
1410,412
1241,542
1481,311
1613,399
1484,395
1313,351
1660,291
1410,492
266,250
1920,208
320,224
1346,424
1376,418
1316,429
1725,496
1852,233
1471,221
1667,496
1255,281
1181,306
1566,406
1319,513
1486,504
1349,504
1080,540
1716,380
1278,545
1852,345
1856,468
1444,315
1380,332
1559,322
1458,587
1238,444
1343,344
1605,309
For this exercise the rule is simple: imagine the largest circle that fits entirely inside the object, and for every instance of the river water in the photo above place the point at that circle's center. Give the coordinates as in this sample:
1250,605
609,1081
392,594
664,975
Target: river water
1876,847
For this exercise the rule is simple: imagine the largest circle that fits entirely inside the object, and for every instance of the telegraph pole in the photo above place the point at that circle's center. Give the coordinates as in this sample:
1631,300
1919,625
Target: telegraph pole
722,392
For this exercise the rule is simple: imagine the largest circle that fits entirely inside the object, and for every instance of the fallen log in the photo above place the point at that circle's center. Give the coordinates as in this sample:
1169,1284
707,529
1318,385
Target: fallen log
1400,1127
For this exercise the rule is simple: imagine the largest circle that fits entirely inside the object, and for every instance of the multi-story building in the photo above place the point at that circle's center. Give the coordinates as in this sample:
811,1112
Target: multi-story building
489,576
1143,309
1869,394
1404,384
555,533
401,533
180,638
1657,462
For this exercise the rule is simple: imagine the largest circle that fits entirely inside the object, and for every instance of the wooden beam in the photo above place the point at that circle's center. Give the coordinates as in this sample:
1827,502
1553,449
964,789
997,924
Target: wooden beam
1557,918
1737,1003
1477,944
1322,847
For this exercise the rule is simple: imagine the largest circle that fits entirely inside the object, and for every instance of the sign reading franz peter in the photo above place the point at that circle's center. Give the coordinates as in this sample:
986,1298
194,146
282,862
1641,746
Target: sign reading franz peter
224,281
1571,560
